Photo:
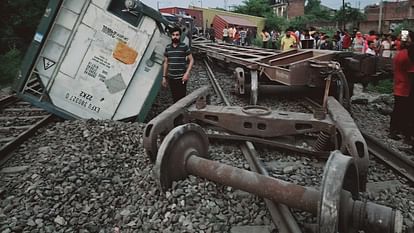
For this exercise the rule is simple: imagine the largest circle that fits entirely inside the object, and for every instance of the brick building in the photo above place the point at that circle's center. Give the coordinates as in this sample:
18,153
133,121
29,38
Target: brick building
393,13
288,8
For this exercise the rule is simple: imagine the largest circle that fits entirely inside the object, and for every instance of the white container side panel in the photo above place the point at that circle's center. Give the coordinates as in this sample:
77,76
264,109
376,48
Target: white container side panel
57,40
92,13
100,3
74,5
78,48
145,76
92,82
60,35
74,104
46,64
67,18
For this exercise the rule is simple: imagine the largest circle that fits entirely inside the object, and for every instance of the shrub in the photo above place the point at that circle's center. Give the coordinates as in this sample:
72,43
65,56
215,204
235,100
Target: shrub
9,65
383,86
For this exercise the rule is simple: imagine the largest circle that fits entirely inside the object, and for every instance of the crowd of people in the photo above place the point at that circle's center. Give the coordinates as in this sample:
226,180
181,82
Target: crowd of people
372,43
238,35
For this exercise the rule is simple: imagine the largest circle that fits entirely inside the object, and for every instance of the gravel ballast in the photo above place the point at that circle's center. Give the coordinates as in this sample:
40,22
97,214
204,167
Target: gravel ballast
94,176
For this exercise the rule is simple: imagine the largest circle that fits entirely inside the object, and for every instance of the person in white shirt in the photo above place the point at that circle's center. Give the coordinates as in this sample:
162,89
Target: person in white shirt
231,33
306,40
225,34
265,38
371,48
386,47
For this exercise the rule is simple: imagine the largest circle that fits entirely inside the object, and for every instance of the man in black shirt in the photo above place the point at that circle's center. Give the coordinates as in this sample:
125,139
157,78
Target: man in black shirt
176,72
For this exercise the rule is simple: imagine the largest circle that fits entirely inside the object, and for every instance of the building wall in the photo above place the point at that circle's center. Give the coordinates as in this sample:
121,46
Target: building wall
367,26
280,10
288,8
209,14
296,8
392,12
197,15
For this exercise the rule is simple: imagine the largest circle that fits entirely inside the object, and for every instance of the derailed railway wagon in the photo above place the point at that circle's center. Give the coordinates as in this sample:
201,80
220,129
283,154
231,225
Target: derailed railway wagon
255,68
98,59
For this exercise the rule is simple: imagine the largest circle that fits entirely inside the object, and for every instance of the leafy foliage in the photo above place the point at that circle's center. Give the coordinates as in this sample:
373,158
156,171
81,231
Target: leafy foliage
349,14
405,25
300,22
254,7
9,65
314,10
275,22
383,86
18,21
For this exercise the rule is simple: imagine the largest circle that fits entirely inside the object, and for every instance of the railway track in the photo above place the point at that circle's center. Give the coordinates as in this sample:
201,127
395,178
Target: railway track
18,121
281,214
184,151
394,160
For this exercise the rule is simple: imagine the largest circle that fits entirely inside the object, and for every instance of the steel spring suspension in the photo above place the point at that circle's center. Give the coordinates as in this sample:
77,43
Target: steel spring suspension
322,142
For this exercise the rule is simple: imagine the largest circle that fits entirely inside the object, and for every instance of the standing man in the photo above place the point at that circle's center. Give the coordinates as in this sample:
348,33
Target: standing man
288,42
176,72
265,38
402,115
212,33
346,41
243,36
225,34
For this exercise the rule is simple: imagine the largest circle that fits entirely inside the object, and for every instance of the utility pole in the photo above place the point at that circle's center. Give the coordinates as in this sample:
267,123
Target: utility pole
380,17
343,15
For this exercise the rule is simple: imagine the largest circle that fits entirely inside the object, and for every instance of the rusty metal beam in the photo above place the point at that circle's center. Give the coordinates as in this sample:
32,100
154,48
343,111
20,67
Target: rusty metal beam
260,122
353,143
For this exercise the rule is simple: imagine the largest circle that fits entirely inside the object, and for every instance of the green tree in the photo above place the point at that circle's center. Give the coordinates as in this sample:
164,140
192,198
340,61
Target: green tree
275,22
299,22
9,65
405,25
348,14
259,8
314,10
18,21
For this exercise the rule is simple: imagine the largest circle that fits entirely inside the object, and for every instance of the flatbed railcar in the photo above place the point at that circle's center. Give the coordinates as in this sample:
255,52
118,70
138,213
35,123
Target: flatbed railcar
294,68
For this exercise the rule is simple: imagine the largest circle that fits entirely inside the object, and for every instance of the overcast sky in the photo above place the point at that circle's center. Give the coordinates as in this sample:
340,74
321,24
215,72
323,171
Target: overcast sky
220,3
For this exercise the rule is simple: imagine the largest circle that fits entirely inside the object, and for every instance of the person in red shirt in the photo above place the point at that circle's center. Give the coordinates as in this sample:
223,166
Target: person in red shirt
402,117
397,43
346,41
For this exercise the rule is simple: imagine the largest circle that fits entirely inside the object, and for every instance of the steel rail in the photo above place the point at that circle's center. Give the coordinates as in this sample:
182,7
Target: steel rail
215,84
394,160
10,146
280,213
6,101
272,143
7,105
